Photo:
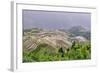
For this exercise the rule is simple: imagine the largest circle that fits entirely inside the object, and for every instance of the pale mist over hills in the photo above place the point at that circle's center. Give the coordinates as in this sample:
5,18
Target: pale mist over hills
51,20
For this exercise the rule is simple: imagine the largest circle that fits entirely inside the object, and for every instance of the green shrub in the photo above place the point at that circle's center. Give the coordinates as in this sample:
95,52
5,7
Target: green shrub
45,52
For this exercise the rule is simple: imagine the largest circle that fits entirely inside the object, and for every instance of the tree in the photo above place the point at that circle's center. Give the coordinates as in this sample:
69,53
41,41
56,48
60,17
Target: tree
73,44
61,51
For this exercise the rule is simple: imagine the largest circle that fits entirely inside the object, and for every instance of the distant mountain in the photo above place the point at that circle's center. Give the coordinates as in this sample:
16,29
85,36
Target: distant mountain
80,31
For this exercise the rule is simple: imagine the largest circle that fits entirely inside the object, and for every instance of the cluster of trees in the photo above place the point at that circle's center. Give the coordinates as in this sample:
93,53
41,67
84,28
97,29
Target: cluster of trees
44,52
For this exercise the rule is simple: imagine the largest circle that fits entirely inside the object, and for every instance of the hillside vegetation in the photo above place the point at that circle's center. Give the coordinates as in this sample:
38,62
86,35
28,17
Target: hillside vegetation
43,45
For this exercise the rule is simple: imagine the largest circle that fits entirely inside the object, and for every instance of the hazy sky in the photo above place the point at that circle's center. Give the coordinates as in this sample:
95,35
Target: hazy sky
55,20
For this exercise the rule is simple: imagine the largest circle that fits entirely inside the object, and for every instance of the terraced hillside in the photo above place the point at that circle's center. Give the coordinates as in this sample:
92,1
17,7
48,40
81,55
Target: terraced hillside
46,45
